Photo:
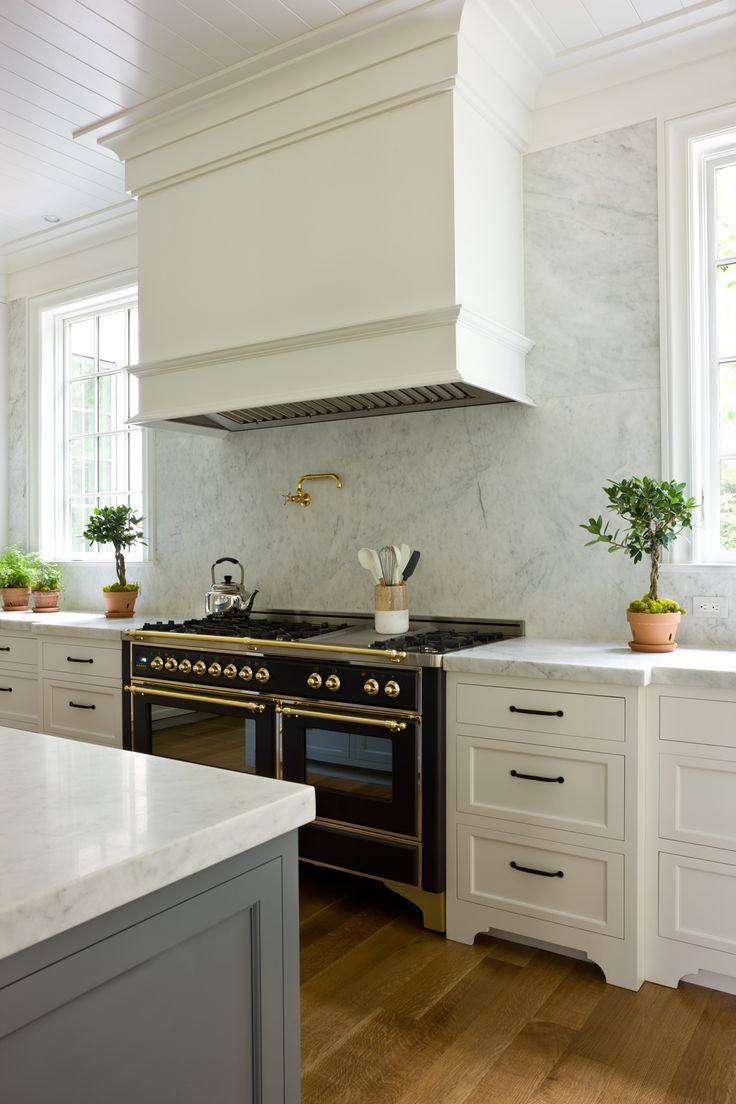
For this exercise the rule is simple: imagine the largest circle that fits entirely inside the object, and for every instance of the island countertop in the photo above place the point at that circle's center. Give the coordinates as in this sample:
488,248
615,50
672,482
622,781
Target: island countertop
85,829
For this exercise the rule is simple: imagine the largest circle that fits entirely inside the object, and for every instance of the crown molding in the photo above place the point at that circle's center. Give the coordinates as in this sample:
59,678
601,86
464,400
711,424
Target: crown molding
85,232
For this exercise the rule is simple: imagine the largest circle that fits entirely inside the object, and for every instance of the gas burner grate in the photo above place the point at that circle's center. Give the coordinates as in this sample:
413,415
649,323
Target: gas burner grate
436,643
234,624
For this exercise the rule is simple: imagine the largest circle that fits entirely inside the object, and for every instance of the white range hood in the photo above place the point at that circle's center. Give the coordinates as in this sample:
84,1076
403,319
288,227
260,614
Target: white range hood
334,230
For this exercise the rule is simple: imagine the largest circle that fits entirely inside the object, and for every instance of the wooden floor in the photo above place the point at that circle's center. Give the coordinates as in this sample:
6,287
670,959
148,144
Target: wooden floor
392,1014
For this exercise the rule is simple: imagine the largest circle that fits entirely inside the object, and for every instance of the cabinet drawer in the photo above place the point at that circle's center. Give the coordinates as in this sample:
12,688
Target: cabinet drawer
697,902
82,712
577,792
591,716
18,649
18,698
697,721
697,798
589,895
80,659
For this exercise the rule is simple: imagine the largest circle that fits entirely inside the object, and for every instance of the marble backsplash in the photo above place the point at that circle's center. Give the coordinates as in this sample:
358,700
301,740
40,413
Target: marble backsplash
493,496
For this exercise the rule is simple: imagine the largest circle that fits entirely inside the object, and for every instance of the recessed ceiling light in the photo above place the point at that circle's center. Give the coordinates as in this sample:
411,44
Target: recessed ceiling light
51,218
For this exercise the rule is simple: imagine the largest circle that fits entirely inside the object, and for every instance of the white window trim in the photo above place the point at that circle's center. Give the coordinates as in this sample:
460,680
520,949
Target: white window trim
43,343
685,339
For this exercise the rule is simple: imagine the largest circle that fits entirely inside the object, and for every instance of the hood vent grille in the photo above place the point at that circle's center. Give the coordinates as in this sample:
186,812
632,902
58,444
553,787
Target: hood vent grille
401,401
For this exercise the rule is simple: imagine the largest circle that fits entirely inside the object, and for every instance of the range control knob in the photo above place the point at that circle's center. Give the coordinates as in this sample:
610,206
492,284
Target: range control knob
199,667
245,673
171,664
157,663
215,670
371,687
185,666
230,671
332,682
392,689
263,675
314,681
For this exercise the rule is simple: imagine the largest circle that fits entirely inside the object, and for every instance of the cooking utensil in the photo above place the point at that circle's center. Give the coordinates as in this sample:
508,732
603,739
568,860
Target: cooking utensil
389,565
404,554
411,565
227,596
368,558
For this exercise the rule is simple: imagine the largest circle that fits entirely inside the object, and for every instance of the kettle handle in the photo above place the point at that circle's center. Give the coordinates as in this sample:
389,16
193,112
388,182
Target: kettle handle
228,559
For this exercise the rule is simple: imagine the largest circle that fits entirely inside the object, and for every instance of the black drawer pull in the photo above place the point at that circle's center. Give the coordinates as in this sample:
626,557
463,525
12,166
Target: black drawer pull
5,648
71,659
538,712
6,689
541,873
76,705
536,777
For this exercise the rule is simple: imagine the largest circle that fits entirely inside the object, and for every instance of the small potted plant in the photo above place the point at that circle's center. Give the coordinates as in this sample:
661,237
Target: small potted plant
46,587
17,573
118,526
654,512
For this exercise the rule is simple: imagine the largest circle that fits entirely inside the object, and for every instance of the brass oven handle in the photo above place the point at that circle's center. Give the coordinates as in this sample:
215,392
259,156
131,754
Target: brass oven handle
253,641
374,722
252,707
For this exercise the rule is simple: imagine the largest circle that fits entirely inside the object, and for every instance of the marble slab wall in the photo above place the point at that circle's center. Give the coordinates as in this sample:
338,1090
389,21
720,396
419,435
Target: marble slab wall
492,496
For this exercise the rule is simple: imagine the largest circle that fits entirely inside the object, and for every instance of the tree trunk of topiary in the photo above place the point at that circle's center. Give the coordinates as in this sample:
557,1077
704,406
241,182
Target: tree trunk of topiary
120,566
654,573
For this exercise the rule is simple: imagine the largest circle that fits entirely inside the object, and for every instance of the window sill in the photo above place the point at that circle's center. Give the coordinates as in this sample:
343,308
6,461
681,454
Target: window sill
688,568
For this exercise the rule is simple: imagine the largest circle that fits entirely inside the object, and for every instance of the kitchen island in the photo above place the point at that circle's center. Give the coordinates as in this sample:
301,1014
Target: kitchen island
148,928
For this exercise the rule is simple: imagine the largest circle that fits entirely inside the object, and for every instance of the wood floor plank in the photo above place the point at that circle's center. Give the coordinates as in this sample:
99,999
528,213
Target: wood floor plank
575,998
524,1065
706,1072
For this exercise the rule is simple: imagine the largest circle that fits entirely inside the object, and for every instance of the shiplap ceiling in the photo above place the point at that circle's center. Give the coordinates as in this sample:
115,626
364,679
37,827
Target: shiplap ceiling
64,64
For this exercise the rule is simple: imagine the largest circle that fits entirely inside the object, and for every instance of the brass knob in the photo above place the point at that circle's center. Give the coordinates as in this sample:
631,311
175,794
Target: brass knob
157,663
263,674
314,681
392,689
185,666
199,667
245,673
332,682
230,671
171,664
214,669
371,687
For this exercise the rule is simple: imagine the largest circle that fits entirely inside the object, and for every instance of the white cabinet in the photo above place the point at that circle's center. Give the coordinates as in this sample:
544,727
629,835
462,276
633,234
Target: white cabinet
692,837
81,689
544,810
19,681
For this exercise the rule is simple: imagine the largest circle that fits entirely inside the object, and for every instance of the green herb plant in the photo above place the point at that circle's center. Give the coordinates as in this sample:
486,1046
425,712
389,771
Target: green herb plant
654,513
17,568
118,526
48,577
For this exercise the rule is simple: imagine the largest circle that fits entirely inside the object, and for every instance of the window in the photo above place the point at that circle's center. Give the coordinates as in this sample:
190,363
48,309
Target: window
699,383
89,456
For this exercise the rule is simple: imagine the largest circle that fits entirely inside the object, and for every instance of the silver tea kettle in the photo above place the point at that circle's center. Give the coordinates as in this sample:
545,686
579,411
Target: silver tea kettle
228,597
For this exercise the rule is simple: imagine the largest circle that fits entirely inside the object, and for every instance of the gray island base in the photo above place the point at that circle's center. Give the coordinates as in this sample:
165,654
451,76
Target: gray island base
185,995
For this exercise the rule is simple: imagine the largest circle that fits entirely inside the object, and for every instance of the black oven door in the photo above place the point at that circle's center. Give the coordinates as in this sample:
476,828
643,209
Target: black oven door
364,775
217,734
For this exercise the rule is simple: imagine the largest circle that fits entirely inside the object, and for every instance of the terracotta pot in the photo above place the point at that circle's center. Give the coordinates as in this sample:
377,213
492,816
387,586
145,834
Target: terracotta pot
46,601
119,603
653,632
15,599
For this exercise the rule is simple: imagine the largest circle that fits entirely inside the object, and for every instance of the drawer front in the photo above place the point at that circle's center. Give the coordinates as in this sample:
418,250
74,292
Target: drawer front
589,895
18,649
18,698
83,712
697,902
697,721
591,716
576,792
697,798
81,660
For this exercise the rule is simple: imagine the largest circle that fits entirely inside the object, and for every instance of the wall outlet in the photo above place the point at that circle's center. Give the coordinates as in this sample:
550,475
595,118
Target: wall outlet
710,607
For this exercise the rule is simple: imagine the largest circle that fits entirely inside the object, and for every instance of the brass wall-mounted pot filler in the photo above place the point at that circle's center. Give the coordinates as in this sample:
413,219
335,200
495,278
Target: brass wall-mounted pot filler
302,497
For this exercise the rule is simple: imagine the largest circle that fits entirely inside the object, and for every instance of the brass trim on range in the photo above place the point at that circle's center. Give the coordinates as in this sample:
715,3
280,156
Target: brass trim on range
254,642
368,830
252,707
318,714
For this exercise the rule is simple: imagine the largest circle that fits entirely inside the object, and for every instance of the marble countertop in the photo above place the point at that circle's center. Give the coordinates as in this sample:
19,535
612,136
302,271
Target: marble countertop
573,661
73,623
85,829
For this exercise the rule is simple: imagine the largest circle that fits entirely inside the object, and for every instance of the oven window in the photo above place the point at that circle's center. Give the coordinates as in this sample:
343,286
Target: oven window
350,763
209,738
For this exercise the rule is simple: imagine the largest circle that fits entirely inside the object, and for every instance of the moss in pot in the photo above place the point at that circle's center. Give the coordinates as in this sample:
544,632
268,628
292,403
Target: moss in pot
655,512
46,587
118,526
17,574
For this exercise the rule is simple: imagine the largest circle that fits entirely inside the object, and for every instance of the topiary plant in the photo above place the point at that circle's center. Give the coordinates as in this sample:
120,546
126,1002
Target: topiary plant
655,512
17,569
118,526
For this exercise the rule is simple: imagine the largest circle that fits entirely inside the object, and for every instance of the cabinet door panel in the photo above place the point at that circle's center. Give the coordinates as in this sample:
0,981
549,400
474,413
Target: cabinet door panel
18,698
697,800
83,712
80,658
588,716
18,649
697,721
697,902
